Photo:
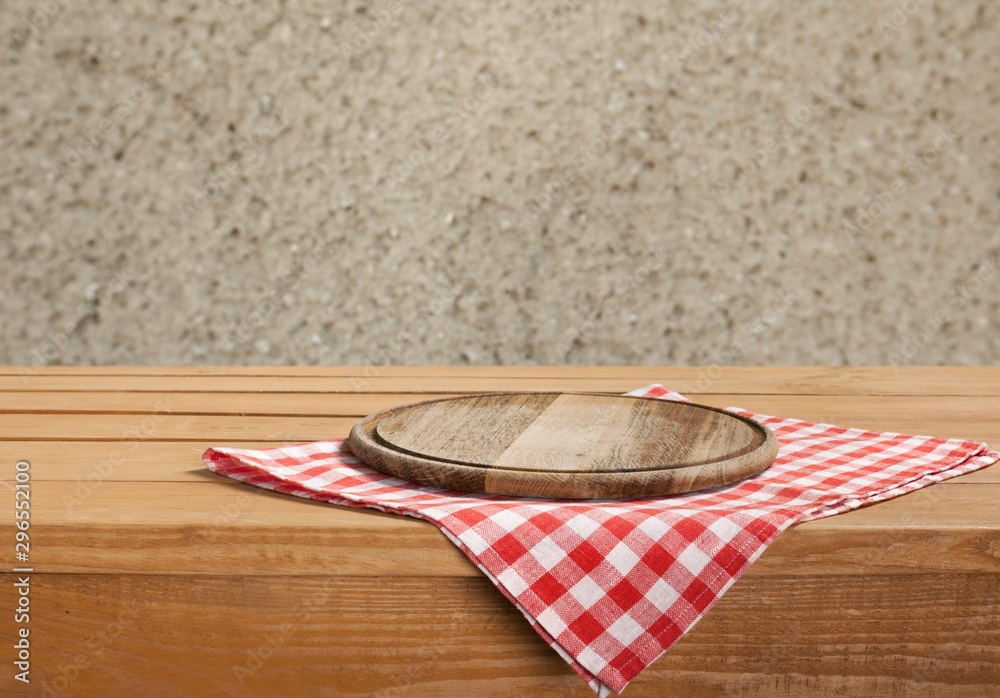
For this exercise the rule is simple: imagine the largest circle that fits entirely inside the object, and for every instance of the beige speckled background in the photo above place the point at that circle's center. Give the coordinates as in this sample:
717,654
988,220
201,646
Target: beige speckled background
450,181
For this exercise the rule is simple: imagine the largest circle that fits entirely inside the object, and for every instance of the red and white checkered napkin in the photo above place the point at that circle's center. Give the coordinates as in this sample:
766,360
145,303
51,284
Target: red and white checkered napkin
610,585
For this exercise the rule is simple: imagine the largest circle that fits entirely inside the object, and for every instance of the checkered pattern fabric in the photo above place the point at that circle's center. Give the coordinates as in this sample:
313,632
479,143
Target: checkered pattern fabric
610,585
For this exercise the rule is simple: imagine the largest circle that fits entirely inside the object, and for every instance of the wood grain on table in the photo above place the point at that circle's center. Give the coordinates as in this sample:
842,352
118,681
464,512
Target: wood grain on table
154,576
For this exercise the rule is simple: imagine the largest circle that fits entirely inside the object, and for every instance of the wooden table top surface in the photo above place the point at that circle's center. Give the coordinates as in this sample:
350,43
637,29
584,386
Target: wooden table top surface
118,485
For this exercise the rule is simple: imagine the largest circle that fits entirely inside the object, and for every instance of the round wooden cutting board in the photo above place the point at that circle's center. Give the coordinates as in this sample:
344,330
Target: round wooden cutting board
565,445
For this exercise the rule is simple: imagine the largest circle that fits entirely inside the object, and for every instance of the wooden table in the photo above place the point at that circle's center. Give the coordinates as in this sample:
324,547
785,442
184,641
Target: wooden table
155,577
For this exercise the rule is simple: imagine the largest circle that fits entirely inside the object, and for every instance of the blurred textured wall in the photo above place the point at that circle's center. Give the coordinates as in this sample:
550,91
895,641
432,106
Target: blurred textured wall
455,181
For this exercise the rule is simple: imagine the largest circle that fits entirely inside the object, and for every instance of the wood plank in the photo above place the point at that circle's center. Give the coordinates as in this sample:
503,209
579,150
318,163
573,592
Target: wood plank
899,598
169,427
854,373
969,380
355,405
297,384
943,379
941,416
231,528
282,370
913,635
362,371
297,429
910,414
945,417
843,409
327,371
176,461
115,461
224,528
